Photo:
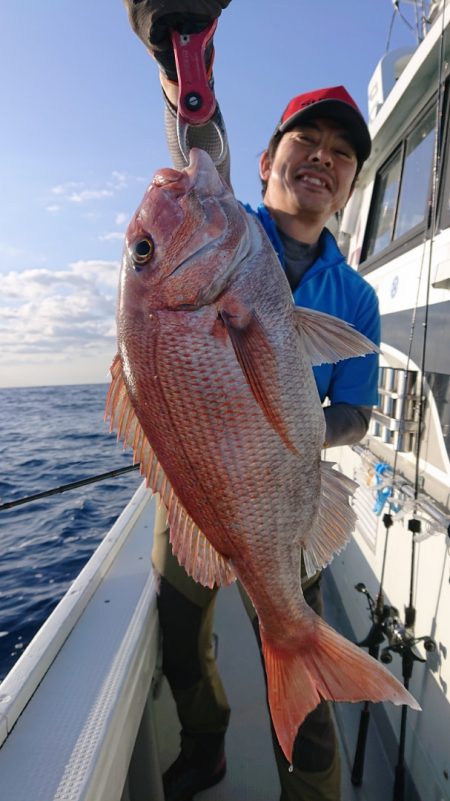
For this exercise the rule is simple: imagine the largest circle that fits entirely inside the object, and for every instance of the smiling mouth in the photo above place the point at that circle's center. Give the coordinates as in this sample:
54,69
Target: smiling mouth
314,181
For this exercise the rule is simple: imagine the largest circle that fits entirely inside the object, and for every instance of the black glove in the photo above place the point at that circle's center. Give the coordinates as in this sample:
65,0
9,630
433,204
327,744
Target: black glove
152,21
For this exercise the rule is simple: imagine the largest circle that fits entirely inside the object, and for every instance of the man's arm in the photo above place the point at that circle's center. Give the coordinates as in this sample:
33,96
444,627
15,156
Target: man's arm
353,389
152,21
346,424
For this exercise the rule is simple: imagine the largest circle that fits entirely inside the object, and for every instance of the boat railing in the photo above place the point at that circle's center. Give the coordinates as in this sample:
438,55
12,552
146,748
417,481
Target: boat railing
76,716
402,495
396,418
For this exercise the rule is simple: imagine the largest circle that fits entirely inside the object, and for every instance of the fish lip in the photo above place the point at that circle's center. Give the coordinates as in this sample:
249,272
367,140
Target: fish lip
166,176
195,176
206,181
315,173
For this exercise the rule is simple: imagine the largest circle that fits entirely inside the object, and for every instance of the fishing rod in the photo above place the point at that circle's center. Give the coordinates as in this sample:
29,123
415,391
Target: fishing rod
387,626
386,623
379,613
406,641
65,487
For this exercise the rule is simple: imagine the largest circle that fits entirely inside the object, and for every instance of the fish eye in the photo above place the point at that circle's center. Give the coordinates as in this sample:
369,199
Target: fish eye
142,251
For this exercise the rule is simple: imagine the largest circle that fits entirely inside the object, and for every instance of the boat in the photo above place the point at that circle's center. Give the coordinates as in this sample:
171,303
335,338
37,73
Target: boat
85,713
395,231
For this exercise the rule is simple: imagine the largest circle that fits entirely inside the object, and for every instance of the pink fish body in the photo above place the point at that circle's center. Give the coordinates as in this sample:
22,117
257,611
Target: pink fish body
214,390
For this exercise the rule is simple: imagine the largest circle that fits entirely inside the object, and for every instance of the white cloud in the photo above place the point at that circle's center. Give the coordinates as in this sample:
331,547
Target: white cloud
10,254
10,251
53,208
120,177
104,273
58,312
64,189
89,194
121,218
79,192
112,235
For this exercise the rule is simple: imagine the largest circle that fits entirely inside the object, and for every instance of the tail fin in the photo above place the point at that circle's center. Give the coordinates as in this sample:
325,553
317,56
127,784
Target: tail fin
329,667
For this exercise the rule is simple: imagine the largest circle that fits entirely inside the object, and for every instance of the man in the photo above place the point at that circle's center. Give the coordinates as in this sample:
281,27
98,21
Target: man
308,173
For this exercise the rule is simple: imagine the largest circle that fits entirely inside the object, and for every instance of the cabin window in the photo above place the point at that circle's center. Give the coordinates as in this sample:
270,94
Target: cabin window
445,211
385,201
445,220
416,178
402,189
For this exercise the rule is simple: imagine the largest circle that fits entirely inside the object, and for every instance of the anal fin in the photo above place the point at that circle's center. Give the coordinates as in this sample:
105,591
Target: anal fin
194,551
190,546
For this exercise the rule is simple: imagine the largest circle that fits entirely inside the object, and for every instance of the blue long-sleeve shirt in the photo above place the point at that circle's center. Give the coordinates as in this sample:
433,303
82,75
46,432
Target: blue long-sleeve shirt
330,285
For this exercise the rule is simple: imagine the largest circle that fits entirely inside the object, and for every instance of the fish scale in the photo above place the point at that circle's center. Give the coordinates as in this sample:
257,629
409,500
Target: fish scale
215,363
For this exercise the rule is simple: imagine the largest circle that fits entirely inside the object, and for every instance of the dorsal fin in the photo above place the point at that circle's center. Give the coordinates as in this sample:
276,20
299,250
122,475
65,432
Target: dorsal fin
190,546
335,520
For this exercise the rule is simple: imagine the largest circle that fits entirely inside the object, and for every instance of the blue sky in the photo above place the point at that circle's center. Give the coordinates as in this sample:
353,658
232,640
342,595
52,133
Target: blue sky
82,134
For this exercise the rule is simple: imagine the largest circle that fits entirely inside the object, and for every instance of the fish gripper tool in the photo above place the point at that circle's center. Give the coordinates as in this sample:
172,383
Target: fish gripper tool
197,103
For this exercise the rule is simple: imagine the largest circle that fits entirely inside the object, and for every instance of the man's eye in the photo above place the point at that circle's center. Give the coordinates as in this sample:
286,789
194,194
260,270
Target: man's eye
309,140
347,154
344,149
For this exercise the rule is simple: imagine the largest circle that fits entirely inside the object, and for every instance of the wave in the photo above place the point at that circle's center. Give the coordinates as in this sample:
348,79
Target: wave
51,436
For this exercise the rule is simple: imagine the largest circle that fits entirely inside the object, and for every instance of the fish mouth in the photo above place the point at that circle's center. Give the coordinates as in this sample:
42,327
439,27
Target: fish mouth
201,179
199,191
169,178
203,176
200,174
203,173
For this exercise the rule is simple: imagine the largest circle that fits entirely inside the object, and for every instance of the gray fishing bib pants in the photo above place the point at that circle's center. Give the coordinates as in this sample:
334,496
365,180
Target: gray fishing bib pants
186,613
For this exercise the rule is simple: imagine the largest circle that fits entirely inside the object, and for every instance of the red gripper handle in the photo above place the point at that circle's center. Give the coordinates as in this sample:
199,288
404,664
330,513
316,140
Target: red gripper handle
196,102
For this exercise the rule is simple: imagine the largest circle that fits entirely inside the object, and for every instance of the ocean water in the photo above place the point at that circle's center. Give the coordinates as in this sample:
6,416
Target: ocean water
50,436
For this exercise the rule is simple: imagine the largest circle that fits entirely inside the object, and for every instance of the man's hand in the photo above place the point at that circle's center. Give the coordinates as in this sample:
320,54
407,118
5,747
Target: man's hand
152,21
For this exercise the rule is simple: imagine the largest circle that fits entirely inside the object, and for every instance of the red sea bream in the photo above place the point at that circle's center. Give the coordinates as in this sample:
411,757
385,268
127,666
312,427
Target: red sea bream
213,389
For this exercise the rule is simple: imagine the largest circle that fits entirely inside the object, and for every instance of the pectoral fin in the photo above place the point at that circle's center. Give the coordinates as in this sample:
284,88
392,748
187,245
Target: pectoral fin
258,364
190,546
326,339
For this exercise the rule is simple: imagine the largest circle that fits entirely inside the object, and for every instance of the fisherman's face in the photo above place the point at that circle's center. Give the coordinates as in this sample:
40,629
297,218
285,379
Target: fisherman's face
312,171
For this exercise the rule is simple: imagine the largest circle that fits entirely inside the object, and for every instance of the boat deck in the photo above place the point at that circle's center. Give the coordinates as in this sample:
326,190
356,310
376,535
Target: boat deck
252,774
85,678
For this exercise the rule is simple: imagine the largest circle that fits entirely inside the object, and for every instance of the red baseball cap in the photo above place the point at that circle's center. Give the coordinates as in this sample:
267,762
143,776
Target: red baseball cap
334,103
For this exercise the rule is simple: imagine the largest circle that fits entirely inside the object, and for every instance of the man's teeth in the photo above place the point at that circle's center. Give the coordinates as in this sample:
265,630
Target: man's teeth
316,181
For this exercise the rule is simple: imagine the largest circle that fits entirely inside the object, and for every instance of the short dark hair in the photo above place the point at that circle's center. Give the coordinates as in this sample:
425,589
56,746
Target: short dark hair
271,149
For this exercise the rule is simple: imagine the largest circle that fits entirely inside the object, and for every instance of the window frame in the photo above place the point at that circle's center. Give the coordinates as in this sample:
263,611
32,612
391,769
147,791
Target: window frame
421,231
443,215
381,172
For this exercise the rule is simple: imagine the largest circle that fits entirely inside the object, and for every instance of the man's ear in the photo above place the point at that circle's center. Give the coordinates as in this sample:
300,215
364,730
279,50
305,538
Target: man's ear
352,188
264,166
